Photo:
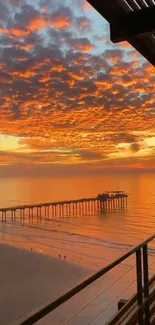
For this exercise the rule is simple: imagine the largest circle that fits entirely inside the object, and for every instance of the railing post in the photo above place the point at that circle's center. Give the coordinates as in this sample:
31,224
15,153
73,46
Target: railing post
146,285
139,286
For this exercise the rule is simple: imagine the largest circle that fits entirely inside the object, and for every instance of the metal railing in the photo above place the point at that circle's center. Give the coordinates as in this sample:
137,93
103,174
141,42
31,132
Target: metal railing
142,295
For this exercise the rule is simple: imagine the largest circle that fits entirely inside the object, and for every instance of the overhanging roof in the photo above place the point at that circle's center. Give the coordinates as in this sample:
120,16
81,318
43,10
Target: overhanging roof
132,21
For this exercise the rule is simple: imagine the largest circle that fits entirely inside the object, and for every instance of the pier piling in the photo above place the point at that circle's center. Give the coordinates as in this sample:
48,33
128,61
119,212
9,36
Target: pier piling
103,203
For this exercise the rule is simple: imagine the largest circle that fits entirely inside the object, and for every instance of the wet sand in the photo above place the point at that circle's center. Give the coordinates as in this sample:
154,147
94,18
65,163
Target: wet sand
29,279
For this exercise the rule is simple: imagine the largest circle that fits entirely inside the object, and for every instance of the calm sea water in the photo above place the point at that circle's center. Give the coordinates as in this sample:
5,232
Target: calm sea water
92,239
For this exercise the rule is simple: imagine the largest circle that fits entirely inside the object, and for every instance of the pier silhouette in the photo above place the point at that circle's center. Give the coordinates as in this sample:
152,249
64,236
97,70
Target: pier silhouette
102,203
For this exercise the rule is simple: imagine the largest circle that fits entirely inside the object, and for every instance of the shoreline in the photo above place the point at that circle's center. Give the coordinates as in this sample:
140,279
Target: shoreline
28,279
53,240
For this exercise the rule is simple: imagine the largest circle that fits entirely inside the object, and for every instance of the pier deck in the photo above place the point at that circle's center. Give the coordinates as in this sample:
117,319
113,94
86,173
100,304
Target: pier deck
108,201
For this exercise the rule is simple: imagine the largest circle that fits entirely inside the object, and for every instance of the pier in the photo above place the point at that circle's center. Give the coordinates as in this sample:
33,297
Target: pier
102,203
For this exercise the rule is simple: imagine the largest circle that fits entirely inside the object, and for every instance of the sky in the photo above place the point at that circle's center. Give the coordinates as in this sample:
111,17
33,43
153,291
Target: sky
71,101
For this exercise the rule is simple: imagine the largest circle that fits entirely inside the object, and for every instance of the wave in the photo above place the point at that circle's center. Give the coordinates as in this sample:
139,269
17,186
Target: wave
71,237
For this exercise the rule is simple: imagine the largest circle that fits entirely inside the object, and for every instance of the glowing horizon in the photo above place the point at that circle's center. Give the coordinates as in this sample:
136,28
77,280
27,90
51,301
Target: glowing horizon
68,96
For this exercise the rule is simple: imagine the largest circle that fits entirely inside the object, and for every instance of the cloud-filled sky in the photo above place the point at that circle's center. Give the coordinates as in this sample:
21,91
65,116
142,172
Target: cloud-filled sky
69,98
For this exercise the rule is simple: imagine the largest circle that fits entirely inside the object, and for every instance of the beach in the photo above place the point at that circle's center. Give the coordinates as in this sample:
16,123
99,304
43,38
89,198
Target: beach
29,279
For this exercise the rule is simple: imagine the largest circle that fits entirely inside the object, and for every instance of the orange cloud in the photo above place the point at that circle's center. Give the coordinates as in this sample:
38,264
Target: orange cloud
18,32
76,76
61,22
25,47
24,74
87,6
37,24
125,44
83,47
84,22
67,104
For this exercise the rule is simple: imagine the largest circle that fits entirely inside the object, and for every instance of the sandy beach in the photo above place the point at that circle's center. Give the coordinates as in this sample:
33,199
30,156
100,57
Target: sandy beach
29,279
30,276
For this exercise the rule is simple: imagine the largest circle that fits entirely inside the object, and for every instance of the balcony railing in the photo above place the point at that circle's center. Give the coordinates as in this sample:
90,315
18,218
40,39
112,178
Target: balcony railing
140,309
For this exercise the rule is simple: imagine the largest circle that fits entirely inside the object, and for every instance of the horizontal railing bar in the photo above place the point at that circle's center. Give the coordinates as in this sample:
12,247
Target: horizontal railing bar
132,303
51,305
125,309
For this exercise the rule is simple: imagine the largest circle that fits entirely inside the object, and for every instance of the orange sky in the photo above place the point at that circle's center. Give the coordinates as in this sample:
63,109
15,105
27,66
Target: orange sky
69,98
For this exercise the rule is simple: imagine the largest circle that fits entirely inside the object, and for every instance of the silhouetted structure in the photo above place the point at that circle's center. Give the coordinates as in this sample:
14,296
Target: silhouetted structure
108,201
132,21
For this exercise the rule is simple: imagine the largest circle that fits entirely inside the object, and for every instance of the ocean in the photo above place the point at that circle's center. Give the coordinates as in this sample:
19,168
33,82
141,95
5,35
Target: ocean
91,239
88,241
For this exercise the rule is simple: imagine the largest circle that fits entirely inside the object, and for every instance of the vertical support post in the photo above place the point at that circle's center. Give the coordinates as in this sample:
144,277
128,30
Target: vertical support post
103,206
89,207
114,204
72,208
112,200
146,285
98,205
139,286
80,208
69,208
86,208
92,207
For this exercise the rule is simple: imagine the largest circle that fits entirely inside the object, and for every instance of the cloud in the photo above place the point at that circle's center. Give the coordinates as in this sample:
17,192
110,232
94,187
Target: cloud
81,44
89,155
62,18
65,97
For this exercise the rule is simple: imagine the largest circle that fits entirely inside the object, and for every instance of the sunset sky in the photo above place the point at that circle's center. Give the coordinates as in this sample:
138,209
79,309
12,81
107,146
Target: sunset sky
70,100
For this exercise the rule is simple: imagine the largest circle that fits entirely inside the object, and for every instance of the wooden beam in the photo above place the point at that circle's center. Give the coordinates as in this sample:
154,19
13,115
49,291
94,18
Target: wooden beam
112,11
109,9
136,23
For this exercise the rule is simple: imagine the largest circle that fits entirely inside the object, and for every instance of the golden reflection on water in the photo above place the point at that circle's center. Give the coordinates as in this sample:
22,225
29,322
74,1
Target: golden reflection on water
97,235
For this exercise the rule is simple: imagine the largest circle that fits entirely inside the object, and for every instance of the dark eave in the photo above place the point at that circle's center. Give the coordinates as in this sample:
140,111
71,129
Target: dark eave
132,21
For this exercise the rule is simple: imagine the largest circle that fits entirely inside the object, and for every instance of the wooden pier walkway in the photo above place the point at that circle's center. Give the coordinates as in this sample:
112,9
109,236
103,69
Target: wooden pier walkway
108,201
